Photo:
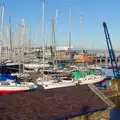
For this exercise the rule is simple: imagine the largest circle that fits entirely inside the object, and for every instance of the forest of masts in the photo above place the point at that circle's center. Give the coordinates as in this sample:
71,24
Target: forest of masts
15,42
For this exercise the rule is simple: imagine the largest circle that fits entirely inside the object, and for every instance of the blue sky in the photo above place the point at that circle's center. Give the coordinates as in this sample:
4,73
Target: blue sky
94,13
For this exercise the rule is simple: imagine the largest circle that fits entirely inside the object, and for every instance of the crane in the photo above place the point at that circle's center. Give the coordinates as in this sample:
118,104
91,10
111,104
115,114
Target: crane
115,69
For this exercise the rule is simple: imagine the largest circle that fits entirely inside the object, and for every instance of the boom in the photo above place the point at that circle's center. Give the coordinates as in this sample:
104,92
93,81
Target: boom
115,69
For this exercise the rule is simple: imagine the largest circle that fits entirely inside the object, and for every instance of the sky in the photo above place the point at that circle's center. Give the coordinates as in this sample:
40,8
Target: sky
94,12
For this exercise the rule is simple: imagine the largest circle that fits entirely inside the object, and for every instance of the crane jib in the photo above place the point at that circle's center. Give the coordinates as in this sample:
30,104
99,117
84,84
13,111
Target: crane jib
113,61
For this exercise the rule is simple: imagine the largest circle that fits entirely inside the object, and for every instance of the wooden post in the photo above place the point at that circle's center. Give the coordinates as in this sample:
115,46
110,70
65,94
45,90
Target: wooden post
100,60
106,60
96,61
117,59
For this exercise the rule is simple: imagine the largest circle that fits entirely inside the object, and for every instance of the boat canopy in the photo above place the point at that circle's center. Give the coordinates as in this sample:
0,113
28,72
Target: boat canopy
82,74
84,59
62,65
5,77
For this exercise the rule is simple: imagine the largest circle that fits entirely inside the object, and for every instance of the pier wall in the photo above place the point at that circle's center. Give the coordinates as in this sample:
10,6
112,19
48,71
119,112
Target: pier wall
114,92
102,115
65,57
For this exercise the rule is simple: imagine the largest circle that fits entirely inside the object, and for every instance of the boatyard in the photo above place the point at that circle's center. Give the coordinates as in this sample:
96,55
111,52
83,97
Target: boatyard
51,81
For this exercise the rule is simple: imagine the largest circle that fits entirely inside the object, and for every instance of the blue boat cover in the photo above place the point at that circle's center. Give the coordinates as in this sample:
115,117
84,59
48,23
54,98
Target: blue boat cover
5,77
62,65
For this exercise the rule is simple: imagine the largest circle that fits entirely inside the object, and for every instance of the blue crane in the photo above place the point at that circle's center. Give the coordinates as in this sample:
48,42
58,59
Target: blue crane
115,69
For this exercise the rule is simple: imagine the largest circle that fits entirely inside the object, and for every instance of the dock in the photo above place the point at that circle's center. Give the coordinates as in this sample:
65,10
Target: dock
113,93
102,95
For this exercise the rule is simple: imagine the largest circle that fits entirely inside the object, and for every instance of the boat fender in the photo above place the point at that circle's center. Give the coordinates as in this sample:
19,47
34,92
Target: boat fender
79,82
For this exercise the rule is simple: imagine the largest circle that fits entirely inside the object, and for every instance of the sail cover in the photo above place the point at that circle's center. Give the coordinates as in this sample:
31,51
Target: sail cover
5,77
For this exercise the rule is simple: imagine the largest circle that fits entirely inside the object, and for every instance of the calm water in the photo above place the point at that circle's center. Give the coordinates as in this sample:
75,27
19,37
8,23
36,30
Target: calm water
115,114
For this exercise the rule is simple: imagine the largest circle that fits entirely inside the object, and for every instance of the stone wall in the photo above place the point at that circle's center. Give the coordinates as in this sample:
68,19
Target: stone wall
104,115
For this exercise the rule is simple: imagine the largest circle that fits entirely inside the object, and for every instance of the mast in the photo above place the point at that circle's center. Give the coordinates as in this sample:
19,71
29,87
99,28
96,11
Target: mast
23,41
47,36
69,30
19,47
8,43
81,38
81,32
2,28
29,39
43,35
11,55
53,41
35,41
56,29
93,48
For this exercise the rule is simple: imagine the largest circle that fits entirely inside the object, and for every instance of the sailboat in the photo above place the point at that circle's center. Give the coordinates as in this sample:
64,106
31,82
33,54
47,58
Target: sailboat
94,67
10,84
48,82
91,79
36,65
57,85
88,76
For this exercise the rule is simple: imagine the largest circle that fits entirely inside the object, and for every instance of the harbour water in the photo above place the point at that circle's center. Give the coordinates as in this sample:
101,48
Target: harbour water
115,113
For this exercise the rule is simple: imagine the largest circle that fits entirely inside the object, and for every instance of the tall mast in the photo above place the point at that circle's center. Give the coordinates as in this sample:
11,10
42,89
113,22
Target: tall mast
29,40
19,47
53,42
35,41
23,41
11,55
56,29
8,43
69,28
43,35
81,32
70,32
2,27
46,44
81,37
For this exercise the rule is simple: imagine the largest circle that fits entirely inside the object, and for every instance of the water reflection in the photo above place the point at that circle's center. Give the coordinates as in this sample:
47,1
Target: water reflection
115,114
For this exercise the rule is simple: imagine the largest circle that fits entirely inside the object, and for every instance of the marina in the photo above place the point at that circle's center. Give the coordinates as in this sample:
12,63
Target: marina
56,82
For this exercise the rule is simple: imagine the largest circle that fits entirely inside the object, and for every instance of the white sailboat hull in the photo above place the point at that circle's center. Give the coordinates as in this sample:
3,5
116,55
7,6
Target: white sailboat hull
20,74
47,85
36,66
91,79
9,87
13,89
94,67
